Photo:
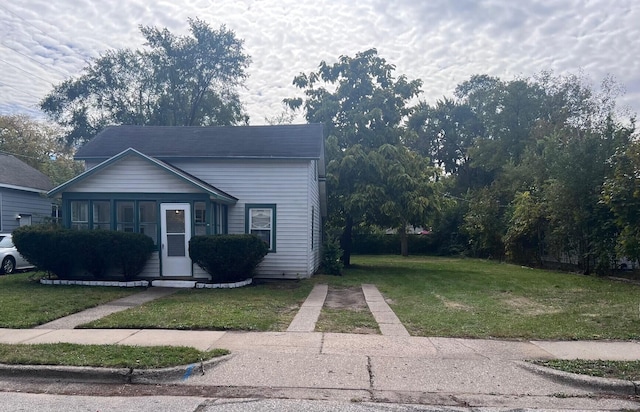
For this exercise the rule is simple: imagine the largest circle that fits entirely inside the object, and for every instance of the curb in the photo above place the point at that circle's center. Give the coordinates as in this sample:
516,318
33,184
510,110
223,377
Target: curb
109,375
592,383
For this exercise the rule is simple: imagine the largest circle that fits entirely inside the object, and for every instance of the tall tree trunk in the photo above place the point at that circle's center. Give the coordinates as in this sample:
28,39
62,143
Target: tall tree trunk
345,241
404,241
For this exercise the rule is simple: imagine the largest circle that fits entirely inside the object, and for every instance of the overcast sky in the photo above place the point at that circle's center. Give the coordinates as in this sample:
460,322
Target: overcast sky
442,42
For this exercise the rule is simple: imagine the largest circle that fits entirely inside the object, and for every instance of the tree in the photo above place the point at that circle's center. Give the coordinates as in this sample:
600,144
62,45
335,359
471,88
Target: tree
362,107
622,195
527,159
445,132
175,81
404,190
38,145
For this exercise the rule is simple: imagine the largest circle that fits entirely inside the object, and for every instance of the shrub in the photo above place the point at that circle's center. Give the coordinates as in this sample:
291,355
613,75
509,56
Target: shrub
331,258
49,248
94,251
227,258
131,252
383,244
65,252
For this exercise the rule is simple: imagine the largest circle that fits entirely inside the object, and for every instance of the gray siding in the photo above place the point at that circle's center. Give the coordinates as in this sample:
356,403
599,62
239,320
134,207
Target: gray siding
315,228
283,183
14,202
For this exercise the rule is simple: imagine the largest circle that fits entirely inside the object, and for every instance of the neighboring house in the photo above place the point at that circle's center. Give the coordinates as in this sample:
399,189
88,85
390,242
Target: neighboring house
23,191
171,183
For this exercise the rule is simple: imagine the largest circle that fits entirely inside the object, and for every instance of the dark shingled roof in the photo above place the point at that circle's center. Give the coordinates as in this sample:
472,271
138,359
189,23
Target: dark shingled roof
14,172
303,141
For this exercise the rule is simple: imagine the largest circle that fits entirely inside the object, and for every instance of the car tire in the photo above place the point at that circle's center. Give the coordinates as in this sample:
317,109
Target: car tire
8,266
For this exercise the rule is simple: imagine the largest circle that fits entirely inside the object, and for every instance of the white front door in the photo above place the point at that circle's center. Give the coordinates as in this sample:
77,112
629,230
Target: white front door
175,224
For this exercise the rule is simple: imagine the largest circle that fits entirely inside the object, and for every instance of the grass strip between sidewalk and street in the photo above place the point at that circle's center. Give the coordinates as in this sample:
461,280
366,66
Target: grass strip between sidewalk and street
105,356
627,370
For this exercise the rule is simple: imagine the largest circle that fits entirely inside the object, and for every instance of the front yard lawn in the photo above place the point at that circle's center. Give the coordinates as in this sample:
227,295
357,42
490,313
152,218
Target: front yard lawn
25,303
481,299
432,296
268,306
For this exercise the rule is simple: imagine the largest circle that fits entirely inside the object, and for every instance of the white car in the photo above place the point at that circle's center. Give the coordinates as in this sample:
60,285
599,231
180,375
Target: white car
10,259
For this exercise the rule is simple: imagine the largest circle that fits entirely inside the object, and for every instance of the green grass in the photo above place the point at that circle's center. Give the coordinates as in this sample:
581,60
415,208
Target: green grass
114,356
263,307
627,370
481,299
431,296
346,321
25,303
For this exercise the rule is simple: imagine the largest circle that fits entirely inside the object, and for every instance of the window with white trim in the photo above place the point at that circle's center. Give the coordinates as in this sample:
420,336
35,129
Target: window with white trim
260,220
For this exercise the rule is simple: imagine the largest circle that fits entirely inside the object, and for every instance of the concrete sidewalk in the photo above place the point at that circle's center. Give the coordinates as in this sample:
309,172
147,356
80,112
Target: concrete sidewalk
351,367
335,344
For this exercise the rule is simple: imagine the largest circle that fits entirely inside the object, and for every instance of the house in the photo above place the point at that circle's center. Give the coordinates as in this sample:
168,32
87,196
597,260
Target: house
23,191
171,183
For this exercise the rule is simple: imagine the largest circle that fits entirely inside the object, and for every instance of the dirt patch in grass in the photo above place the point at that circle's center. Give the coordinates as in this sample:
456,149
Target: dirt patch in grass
346,298
527,306
452,304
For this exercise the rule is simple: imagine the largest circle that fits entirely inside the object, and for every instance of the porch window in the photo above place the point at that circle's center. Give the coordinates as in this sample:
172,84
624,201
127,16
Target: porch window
147,215
79,215
56,215
125,217
101,214
260,220
200,218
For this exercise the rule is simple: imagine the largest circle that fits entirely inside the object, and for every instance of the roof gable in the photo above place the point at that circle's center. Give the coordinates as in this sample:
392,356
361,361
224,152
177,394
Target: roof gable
182,175
17,174
166,142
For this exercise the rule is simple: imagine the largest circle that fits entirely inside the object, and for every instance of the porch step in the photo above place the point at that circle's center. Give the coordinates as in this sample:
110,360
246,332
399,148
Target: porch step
174,283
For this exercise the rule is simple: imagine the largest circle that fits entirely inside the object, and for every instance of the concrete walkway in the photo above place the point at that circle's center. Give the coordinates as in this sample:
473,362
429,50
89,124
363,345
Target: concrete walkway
387,320
307,316
89,315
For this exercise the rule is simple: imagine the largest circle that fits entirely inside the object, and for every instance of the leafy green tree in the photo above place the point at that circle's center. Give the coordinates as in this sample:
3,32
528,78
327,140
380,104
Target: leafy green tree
363,107
404,190
524,238
621,194
529,158
38,144
176,81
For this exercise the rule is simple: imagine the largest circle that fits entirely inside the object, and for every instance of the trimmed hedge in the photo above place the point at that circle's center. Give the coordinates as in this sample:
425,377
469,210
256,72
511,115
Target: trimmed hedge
66,252
383,244
227,258
49,248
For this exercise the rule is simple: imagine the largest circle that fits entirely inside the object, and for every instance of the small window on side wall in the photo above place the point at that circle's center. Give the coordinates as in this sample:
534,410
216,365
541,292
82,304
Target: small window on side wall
260,220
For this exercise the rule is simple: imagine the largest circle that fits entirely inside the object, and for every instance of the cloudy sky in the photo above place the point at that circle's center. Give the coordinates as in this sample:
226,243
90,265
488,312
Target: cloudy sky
442,42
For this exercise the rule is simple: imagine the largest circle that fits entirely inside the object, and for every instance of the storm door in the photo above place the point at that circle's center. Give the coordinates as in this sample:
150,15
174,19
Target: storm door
176,232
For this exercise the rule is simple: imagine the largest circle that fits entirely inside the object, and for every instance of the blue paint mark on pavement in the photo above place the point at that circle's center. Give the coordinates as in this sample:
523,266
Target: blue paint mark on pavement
187,373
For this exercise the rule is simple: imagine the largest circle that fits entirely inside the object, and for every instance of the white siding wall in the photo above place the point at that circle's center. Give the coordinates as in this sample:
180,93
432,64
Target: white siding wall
283,183
134,175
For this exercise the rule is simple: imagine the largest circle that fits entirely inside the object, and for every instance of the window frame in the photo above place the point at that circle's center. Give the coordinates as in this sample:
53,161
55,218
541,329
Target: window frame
247,221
